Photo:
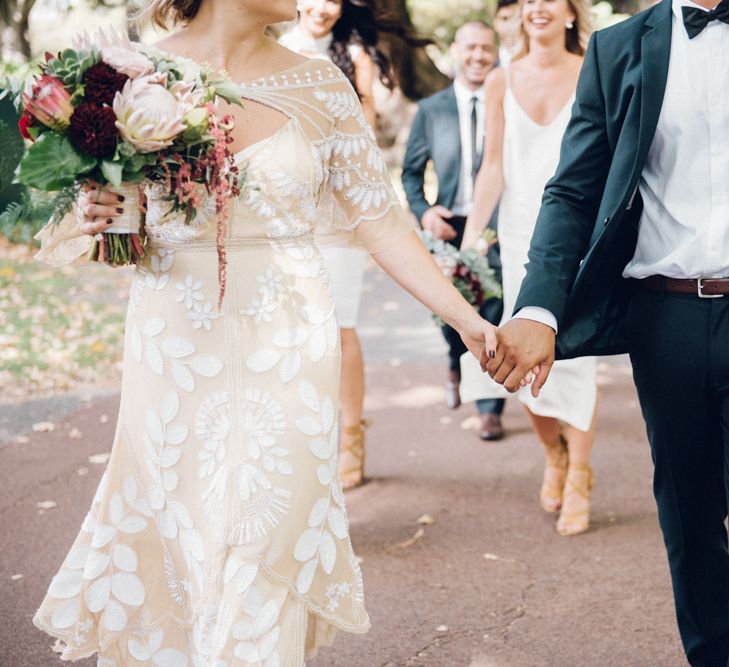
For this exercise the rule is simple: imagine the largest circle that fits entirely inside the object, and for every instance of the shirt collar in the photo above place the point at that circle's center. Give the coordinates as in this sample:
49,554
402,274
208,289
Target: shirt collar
464,94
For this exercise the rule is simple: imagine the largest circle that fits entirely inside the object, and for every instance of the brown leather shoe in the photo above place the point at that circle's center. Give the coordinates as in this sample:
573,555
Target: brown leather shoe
491,428
452,389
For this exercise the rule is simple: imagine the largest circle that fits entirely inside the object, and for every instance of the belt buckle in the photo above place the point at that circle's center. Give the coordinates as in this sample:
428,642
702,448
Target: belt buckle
700,290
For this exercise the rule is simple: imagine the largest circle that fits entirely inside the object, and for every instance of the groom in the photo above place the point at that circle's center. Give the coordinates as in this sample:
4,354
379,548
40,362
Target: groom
631,253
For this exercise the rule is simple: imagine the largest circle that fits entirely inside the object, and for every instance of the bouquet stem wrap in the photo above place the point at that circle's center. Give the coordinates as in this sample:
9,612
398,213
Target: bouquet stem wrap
122,241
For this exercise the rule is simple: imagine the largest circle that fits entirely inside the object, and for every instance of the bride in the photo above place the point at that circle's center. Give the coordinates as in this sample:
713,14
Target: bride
218,535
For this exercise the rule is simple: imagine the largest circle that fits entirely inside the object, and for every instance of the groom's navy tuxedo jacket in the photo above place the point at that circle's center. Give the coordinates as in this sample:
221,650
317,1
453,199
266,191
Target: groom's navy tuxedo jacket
587,227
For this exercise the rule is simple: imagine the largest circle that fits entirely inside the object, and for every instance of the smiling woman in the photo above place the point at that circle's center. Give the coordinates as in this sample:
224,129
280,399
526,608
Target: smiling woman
347,32
528,108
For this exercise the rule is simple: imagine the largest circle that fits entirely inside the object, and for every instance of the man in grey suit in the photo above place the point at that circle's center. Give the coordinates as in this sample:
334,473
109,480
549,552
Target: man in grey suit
449,129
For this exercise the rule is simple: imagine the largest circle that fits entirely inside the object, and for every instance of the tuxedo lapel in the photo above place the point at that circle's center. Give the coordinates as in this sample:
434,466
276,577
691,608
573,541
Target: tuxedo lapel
655,55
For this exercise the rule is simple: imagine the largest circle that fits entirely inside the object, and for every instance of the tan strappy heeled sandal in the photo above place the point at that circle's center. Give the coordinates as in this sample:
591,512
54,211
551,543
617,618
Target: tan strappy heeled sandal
352,455
555,475
575,516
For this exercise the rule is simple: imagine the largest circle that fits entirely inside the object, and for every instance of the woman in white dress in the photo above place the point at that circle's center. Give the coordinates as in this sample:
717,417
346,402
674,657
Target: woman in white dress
218,535
528,108
347,33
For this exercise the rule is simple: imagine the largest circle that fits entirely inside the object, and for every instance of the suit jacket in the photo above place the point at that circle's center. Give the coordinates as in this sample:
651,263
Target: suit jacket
435,135
588,224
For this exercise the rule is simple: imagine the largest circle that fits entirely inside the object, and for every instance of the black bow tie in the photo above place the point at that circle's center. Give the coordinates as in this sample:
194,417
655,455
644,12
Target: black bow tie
695,20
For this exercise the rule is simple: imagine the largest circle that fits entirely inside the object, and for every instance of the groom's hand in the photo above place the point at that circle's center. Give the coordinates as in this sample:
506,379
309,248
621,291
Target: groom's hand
524,345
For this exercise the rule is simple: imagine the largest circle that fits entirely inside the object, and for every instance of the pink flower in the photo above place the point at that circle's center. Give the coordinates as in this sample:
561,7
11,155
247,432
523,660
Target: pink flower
127,61
49,103
149,116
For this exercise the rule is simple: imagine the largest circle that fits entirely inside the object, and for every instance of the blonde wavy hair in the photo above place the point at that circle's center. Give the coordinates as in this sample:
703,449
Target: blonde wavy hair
576,37
167,13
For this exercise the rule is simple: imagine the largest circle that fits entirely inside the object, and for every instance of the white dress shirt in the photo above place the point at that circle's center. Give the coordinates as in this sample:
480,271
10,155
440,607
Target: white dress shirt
684,227
463,203
684,230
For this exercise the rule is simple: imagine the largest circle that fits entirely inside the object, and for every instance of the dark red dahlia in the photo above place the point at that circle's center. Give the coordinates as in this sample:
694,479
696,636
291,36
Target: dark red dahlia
93,130
103,82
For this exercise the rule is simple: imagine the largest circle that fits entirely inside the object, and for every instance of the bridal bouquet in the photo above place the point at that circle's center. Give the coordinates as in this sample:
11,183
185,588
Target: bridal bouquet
469,269
112,112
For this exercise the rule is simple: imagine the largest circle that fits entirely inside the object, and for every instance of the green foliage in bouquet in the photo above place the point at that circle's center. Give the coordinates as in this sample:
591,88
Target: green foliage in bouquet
469,269
70,65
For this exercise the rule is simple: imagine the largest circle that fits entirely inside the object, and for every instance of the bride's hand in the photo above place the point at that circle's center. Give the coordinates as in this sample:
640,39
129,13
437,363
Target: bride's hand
99,207
481,339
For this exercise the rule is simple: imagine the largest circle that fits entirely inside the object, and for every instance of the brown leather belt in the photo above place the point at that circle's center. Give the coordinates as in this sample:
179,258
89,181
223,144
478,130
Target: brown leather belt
706,288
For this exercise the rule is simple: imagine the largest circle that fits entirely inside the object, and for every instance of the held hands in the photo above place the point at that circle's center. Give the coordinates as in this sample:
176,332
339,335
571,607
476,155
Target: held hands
481,339
435,221
525,347
99,208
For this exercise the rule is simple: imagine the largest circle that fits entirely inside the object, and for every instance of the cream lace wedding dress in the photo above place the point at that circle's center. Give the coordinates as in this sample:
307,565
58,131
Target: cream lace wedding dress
218,535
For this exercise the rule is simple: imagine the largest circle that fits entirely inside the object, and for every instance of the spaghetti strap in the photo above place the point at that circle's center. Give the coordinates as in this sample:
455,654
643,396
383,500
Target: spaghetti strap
507,77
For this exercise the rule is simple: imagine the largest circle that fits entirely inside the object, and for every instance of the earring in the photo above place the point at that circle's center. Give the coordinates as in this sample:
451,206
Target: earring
569,25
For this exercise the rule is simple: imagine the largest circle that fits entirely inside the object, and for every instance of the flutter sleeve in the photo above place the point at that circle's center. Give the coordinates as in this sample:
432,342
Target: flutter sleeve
63,242
358,205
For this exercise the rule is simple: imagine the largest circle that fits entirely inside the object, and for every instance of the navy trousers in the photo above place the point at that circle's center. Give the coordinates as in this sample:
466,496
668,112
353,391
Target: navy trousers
679,347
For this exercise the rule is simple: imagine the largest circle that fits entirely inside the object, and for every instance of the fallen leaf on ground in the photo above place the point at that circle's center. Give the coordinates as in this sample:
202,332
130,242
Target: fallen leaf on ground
426,520
100,458
103,419
442,628
83,470
412,454
46,504
408,543
22,439
471,423
16,577
44,427
445,420
75,434
488,556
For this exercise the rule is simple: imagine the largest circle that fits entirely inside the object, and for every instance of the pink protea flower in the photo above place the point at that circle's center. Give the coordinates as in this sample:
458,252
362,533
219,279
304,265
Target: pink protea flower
49,103
149,115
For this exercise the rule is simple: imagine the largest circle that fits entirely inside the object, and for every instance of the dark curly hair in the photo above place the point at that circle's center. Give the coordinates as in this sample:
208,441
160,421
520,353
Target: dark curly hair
361,23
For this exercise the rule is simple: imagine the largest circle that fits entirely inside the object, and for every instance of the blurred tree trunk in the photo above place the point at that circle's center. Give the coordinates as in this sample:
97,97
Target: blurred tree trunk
14,19
416,73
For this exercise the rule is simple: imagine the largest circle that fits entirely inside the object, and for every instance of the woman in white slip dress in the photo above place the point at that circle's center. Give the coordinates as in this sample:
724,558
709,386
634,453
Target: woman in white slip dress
218,535
347,33
528,108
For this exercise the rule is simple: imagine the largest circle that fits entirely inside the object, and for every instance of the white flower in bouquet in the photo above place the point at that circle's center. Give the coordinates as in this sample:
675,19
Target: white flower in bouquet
149,115
127,61
101,40
447,264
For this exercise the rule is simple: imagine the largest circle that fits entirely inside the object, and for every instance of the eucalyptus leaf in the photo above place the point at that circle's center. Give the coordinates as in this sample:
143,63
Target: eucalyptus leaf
112,172
52,163
230,92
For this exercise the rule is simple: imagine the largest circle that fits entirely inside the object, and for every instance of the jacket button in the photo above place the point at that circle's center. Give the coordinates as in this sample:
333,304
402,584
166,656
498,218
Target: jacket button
607,220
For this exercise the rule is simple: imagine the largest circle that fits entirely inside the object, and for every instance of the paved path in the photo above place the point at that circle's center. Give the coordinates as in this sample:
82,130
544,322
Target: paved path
488,584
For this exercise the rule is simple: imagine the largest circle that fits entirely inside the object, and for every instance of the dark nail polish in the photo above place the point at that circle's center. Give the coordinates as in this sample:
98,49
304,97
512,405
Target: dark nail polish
492,354
120,210
109,221
120,197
